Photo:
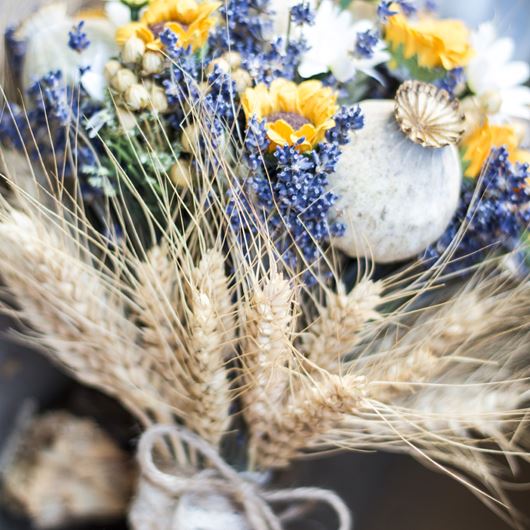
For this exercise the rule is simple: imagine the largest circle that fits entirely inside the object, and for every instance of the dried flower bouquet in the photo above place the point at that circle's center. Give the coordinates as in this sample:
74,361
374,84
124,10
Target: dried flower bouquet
201,221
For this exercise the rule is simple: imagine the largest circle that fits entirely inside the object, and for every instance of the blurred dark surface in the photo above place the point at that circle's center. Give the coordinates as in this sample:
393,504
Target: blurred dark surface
385,491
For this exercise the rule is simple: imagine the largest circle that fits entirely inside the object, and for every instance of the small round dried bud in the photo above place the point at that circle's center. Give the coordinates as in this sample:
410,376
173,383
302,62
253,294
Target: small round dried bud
133,50
180,174
223,64
190,138
152,63
159,99
126,119
123,79
233,59
242,79
111,69
137,97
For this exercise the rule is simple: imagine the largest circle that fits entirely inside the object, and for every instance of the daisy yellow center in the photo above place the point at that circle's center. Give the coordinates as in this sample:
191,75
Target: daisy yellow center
435,43
294,114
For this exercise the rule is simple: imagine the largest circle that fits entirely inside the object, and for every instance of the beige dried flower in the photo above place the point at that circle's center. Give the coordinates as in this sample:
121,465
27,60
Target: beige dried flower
428,116
123,79
137,97
152,63
133,50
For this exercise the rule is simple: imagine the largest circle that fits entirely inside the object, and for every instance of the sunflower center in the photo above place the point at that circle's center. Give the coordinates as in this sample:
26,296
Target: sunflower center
159,27
295,120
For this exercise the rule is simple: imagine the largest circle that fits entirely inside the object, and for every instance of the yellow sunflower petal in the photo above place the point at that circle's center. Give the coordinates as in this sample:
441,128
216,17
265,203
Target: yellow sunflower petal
478,145
134,29
280,133
434,42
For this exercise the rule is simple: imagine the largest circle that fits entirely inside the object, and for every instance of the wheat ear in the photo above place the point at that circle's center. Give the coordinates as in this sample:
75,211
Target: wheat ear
210,396
337,329
210,276
437,338
182,329
266,353
309,414
74,315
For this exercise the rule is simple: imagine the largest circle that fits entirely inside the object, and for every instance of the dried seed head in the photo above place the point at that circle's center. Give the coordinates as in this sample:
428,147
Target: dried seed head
111,69
180,174
428,116
133,50
152,63
159,101
242,79
123,79
137,97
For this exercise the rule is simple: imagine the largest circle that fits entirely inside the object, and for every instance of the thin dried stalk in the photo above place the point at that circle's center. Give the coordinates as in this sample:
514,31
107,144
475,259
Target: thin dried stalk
309,414
337,330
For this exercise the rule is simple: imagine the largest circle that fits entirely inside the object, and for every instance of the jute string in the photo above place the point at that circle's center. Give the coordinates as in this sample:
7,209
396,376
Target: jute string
221,479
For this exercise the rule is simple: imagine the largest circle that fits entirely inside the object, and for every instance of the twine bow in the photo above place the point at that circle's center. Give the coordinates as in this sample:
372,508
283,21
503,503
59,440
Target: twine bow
221,479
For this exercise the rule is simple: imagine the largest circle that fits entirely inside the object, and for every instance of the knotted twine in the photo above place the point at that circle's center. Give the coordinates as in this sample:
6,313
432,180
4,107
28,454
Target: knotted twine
230,500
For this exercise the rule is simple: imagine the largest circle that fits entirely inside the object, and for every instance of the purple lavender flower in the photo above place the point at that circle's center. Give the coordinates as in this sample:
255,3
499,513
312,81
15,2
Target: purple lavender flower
366,42
348,119
302,13
78,39
495,213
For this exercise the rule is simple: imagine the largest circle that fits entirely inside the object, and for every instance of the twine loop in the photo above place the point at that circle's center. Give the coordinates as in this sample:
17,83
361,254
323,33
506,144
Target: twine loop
222,480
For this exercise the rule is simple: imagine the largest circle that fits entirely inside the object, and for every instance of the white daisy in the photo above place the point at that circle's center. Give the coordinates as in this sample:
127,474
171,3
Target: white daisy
496,79
118,13
46,36
332,41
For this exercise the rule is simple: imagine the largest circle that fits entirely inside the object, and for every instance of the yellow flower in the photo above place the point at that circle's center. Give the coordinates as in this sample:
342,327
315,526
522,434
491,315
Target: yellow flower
435,43
190,20
478,145
292,111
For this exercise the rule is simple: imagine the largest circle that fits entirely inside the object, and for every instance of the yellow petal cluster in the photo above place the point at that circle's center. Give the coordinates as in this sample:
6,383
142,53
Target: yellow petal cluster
310,101
434,42
189,19
478,145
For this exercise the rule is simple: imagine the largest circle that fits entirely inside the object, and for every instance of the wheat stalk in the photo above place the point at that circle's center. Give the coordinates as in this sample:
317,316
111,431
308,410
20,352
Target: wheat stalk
79,321
266,353
209,391
309,414
337,329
